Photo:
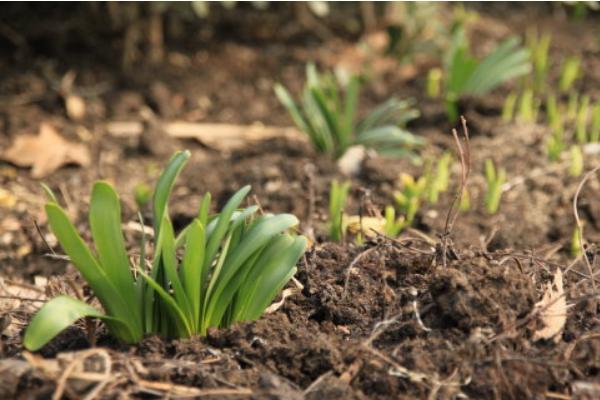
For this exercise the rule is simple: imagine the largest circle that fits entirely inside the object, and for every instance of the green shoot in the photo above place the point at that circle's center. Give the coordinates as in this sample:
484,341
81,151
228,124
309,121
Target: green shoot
581,120
337,201
554,118
539,47
572,106
409,198
555,145
576,241
571,71
234,264
595,124
465,75
527,108
508,110
393,226
495,179
438,180
465,200
434,83
576,161
328,114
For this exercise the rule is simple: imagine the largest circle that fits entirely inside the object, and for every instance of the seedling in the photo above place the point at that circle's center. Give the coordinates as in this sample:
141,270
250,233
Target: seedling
571,70
468,76
581,120
338,194
555,120
538,48
328,117
495,179
393,226
234,264
508,110
572,106
438,178
576,165
409,199
576,239
465,200
555,145
434,83
528,107
595,124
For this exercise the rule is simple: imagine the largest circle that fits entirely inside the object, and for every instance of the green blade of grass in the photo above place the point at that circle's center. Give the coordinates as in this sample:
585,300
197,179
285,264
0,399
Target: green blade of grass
192,270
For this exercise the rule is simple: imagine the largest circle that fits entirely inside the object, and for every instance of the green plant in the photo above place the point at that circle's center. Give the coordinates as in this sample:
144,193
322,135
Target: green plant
539,46
434,82
576,161
234,264
409,198
465,200
528,107
393,226
576,241
581,120
570,72
555,145
595,124
572,106
328,117
495,179
438,178
555,120
338,194
508,110
465,75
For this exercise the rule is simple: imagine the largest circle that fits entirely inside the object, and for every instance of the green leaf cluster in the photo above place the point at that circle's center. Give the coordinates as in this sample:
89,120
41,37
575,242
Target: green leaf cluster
466,75
234,263
327,113
495,179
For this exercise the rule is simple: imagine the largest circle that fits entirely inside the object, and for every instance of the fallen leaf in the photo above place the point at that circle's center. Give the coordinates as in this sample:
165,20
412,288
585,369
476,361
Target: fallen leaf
46,152
351,161
75,106
552,308
370,225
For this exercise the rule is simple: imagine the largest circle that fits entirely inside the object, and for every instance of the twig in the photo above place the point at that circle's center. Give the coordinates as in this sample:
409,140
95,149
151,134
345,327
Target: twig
39,231
465,162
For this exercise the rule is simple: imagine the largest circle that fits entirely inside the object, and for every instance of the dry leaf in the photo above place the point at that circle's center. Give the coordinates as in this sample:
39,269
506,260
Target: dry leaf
350,163
553,309
370,225
75,106
46,152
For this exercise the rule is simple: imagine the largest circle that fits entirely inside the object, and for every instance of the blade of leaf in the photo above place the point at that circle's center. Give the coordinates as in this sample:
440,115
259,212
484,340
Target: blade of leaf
165,185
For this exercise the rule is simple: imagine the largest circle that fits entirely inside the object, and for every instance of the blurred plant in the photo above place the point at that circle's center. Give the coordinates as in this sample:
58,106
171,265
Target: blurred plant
328,118
528,107
465,200
539,46
338,194
415,28
393,226
465,75
576,239
555,120
595,124
576,161
555,145
434,83
233,265
409,197
142,194
495,179
508,110
438,178
582,120
572,106
570,72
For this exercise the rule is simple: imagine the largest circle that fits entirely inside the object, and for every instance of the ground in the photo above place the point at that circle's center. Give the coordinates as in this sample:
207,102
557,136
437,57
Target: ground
384,319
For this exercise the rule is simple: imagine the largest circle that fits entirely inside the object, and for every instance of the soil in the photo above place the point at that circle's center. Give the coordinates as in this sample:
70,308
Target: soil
384,319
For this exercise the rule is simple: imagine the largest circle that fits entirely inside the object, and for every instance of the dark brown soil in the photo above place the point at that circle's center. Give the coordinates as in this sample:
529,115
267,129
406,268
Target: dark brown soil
381,320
